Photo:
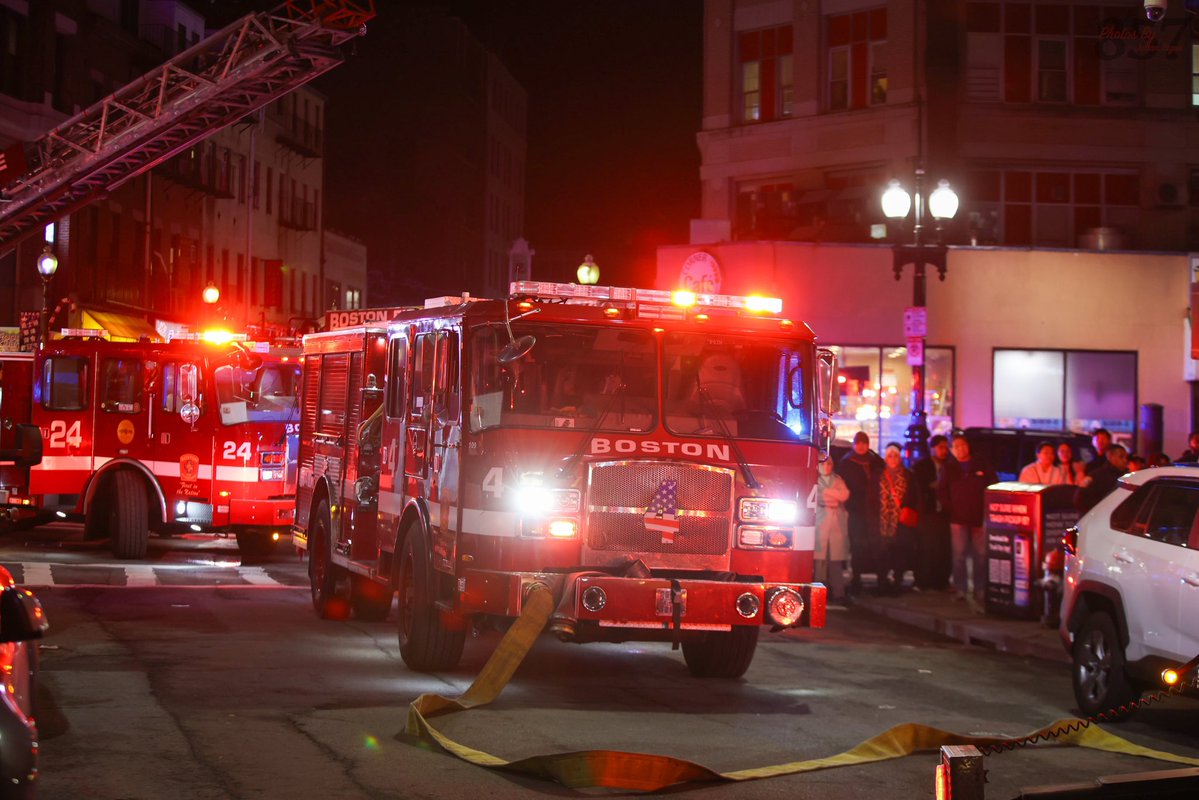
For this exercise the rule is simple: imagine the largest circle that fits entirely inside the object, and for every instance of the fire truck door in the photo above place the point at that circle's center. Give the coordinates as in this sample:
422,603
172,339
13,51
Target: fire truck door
123,410
185,410
391,500
418,413
63,408
445,437
16,378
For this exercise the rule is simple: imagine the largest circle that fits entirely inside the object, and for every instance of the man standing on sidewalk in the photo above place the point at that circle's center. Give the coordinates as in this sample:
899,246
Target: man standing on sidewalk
962,490
933,560
860,469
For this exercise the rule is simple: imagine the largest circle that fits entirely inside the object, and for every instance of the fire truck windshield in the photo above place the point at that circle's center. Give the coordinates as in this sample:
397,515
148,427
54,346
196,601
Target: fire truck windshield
735,385
572,378
265,394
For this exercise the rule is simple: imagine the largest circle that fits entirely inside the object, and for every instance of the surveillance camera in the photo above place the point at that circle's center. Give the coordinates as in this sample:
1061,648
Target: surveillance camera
1155,10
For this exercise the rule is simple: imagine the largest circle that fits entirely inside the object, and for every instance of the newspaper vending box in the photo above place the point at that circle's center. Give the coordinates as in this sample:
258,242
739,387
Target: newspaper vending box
1024,522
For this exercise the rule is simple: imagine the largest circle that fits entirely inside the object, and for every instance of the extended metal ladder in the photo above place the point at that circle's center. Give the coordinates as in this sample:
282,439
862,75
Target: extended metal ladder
216,82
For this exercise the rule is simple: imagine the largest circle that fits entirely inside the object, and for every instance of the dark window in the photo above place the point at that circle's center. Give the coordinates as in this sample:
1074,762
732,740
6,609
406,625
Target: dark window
121,385
397,363
1171,513
64,379
1126,513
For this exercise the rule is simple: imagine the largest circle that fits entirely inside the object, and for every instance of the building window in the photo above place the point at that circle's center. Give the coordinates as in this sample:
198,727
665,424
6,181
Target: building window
766,80
765,211
1052,53
857,73
1050,209
875,394
1195,74
1051,71
1069,390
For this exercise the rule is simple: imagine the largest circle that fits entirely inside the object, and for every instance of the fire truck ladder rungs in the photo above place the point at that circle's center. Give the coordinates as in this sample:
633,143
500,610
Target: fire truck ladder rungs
214,83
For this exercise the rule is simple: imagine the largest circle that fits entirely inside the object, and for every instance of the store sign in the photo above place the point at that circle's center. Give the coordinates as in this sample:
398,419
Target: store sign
700,274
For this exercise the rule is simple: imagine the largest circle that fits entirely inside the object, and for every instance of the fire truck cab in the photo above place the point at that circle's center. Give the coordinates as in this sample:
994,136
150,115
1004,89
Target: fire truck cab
171,437
651,459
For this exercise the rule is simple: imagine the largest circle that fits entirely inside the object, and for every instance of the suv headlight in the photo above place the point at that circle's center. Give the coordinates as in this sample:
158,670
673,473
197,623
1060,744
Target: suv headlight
764,509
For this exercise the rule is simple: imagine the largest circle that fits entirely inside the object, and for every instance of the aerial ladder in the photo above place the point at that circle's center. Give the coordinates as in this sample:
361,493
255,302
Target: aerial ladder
214,83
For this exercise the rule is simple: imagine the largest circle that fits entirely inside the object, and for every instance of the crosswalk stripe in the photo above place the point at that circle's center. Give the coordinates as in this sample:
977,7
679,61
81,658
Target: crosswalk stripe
140,575
257,576
37,574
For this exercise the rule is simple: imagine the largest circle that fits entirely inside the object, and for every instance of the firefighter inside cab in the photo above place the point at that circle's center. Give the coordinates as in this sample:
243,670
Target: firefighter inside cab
651,459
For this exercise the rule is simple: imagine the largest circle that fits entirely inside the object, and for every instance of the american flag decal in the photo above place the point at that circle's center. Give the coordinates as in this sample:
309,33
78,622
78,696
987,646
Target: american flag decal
661,516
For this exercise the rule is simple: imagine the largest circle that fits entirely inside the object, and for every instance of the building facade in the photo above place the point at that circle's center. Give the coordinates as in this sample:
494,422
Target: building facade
1061,124
240,210
1068,129
1017,337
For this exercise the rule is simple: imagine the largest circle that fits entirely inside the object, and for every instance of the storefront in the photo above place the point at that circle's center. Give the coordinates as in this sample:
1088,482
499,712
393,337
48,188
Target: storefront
1039,339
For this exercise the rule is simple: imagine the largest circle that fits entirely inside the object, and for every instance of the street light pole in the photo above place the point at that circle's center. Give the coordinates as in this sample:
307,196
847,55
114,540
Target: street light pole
47,265
942,204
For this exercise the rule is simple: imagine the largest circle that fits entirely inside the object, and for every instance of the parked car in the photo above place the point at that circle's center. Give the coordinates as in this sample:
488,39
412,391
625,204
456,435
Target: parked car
1008,450
1131,584
22,621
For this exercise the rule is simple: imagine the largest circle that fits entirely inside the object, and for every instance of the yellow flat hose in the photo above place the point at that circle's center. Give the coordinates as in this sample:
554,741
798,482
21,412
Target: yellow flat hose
615,769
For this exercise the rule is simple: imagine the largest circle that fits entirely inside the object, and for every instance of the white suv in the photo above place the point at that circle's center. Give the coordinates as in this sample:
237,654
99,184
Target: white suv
1131,587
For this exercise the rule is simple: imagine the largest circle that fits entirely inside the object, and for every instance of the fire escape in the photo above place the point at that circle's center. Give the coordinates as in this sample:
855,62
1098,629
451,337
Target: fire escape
218,81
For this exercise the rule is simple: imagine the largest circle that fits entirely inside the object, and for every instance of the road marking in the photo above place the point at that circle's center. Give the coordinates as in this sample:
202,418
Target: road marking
140,575
37,574
257,576
40,574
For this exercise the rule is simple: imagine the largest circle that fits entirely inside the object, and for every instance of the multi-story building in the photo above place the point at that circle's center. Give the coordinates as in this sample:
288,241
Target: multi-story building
1061,124
240,210
1066,128
437,183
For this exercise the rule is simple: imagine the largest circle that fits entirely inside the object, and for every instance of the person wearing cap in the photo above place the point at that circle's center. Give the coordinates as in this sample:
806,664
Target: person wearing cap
860,468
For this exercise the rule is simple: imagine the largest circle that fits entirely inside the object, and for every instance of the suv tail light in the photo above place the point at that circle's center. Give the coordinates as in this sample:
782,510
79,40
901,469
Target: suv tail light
1070,540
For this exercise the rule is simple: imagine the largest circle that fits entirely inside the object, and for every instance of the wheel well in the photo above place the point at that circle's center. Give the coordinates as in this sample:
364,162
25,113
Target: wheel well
1094,598
321,492
157,510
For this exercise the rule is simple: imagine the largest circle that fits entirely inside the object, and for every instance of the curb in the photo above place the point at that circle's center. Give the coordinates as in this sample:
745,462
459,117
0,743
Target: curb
1015,637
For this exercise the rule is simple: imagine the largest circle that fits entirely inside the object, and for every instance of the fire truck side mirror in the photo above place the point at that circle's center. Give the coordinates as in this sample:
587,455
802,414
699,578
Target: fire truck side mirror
516,349
28,451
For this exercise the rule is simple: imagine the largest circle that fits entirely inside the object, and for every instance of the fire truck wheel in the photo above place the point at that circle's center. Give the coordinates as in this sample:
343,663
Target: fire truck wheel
328,598
722,655
370,600
128,516
426,644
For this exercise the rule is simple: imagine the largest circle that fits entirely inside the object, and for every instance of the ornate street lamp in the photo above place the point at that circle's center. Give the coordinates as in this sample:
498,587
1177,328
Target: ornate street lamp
47,265
942,204
588,272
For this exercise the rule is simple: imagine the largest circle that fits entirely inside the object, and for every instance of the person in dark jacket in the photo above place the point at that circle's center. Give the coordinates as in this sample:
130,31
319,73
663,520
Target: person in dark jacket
893,489
859,468
1103,480
1101,439
933,555
962,491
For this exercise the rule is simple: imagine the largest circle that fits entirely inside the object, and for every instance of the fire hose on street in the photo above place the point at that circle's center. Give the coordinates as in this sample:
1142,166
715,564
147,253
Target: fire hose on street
614,769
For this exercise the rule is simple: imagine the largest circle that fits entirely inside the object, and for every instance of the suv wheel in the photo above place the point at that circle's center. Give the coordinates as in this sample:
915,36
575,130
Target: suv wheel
1100,682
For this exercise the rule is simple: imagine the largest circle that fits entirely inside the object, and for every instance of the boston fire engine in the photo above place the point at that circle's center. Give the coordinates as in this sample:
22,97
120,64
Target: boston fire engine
166,436
652,462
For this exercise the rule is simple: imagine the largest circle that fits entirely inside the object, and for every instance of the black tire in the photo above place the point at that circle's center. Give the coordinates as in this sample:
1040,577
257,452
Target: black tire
370,600
726,654
1099,678
325,578
426,644
128,517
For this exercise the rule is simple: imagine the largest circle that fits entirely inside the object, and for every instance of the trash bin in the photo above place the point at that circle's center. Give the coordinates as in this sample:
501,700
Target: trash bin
1024,522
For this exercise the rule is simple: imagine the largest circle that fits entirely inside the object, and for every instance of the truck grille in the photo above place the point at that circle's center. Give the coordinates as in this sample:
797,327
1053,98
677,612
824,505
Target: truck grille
621,491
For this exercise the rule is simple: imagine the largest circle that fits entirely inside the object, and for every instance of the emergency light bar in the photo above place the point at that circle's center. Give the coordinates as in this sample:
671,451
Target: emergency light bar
619,294
98,333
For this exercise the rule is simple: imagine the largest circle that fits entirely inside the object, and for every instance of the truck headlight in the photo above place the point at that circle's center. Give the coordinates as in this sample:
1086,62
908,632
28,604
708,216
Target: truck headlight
764,509
533,499
772,538
270,475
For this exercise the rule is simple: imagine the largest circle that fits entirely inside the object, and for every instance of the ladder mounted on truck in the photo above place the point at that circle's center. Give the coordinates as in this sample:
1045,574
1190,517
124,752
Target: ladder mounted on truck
201,90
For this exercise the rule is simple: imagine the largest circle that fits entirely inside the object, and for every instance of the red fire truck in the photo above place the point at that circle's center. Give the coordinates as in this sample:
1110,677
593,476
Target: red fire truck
196,435
650,457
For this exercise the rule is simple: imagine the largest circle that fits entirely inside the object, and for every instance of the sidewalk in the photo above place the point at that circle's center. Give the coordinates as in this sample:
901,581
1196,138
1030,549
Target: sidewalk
941,613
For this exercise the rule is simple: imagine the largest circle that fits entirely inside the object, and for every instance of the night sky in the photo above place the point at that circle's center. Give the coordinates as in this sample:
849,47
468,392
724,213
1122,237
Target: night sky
614,90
